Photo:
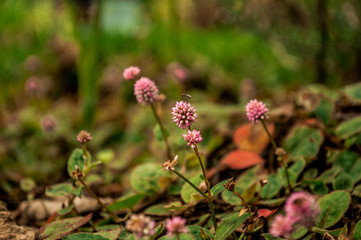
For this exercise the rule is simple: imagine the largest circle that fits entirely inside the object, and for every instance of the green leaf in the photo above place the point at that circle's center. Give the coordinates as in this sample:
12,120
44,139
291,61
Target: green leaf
353,92
157,210
334,233
229,224
197,231
92,166
158,133
348,128
84,236
357,231
145,178
357,191
317,186
188,191
126,202
111,232
66,210
218,188
57,229
324,110
333,207
343,233
329,175
343,181
355,171
268,236
76,158
300,232
272,202
245,181
61,189
346,160
250,192
183,236
310,174
273,186
303,142
77,191
294,171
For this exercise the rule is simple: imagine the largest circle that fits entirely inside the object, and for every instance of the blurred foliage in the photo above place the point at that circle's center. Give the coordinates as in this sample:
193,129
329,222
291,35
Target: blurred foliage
219,51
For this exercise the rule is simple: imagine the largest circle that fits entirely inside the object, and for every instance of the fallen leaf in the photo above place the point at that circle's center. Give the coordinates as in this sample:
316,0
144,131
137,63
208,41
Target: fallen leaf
240,159
264,212
253,137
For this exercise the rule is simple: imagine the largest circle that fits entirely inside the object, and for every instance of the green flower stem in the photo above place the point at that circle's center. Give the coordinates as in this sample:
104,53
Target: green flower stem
115,217
269,135
278,158
210,200
213,214
242,199
287,176
190,183
85,154
203,169
164,135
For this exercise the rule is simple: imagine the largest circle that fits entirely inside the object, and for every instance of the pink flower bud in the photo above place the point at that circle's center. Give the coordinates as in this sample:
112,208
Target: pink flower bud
131,73
176,225
192,138
256,110
184,114
145,91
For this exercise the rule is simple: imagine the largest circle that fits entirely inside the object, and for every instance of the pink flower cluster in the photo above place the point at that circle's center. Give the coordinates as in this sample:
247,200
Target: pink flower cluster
184,114
256,110
145,91
192,138
175,226
140,225
131,72
301,209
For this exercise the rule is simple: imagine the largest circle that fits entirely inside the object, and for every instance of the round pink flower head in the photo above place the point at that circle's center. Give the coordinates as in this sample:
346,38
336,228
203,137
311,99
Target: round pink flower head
140,225
184,114
303,208
282,226
131,72
145,91
175,226
48,124
192,138
84,137
256,110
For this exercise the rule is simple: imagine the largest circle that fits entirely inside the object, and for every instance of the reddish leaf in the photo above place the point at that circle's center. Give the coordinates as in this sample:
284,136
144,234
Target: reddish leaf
57,229
265,212
240,159
253,137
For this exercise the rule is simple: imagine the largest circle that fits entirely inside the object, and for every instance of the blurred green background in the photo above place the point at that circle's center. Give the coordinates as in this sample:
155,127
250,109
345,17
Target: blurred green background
222,52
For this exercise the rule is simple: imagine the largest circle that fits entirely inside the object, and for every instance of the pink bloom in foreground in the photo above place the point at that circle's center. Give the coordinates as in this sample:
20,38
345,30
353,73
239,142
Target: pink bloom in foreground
145,91
140,225
192,138
282,226
256,110
175,226
84,137
303,208
184,114
131,72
